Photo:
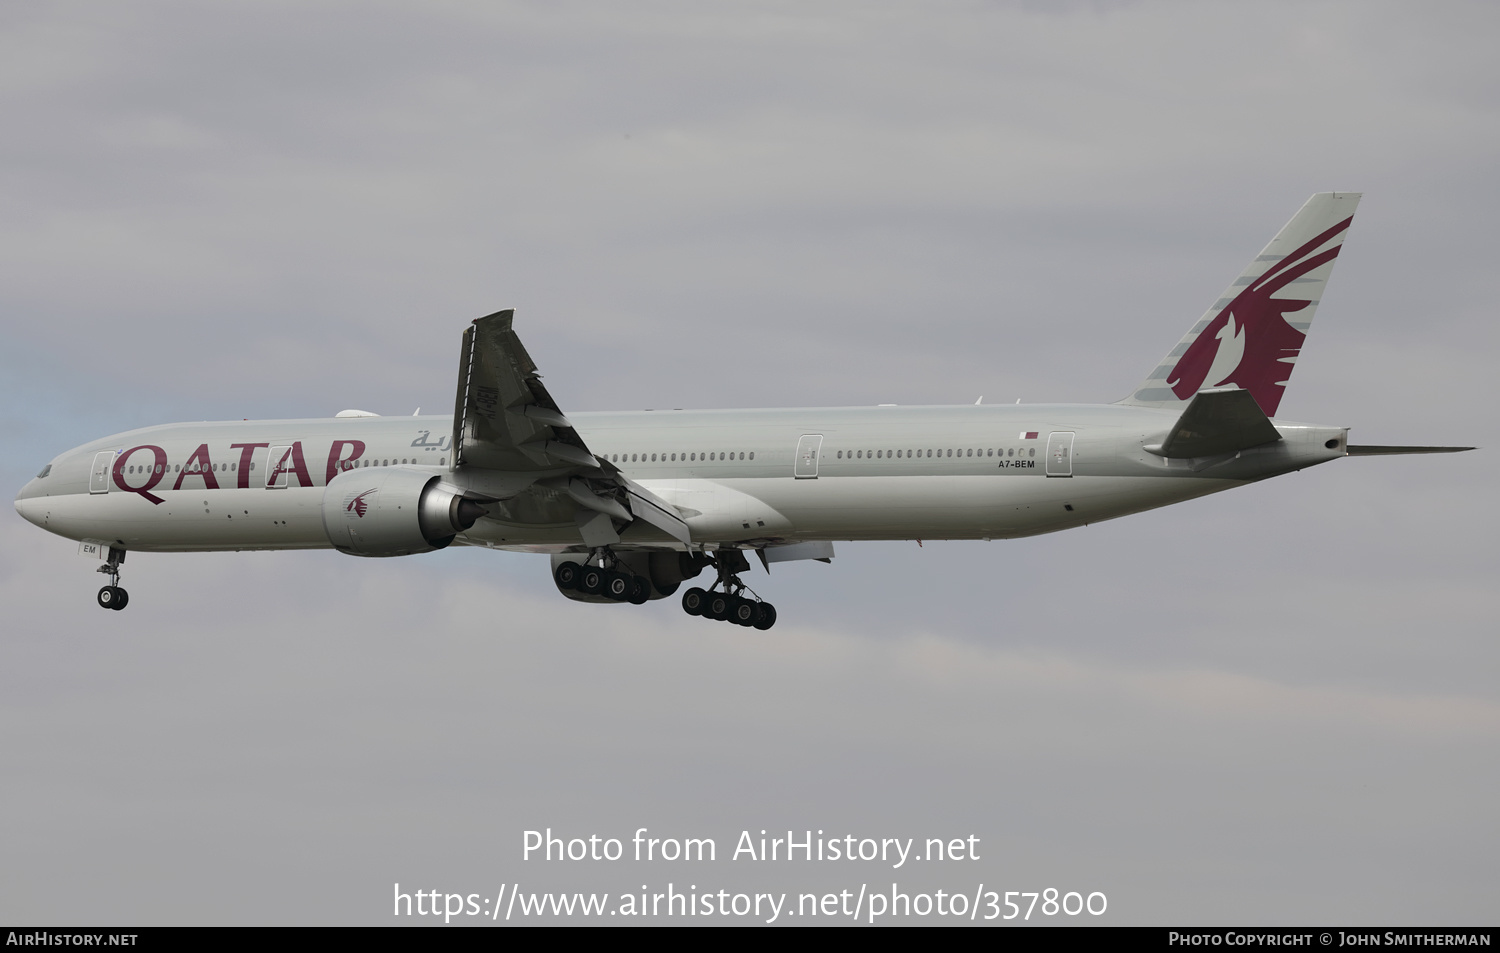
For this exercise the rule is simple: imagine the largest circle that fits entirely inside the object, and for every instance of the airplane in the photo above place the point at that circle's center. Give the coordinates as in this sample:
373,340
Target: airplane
630,505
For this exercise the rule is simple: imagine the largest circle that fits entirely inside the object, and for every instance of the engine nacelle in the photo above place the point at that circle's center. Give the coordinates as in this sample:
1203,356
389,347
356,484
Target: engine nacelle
664,570
394,511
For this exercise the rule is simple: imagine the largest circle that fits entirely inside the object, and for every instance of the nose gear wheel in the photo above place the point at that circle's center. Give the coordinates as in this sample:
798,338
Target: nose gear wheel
112,596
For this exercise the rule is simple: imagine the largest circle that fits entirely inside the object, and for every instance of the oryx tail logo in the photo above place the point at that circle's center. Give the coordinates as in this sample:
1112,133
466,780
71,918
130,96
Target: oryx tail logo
1250,343
355,505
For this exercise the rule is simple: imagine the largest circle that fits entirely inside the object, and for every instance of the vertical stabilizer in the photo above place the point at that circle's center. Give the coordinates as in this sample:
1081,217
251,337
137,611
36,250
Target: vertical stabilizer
1252,335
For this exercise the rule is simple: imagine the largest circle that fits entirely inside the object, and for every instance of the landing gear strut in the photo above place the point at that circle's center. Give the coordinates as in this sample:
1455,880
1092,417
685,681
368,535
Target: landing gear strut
725,600
112,596
606,579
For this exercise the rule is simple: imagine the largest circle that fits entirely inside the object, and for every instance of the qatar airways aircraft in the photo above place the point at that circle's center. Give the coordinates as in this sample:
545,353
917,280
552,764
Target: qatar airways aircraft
631,504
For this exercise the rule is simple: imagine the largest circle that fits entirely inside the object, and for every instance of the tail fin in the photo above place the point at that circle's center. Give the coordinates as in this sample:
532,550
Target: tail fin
1250,339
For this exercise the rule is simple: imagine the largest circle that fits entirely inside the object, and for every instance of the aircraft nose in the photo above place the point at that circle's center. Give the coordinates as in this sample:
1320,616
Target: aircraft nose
29,507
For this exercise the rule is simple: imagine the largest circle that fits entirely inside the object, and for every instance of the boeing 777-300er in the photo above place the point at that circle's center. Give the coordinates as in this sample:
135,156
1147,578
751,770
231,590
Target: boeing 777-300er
630,505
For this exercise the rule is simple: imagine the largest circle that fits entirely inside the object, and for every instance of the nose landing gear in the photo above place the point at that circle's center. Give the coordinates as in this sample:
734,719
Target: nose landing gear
730,604
112,596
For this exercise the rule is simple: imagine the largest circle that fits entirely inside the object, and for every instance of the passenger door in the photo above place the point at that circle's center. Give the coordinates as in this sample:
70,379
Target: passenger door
1060,454
808,448
99,476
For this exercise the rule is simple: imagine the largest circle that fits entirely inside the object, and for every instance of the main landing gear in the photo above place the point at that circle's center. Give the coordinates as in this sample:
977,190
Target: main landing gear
112,596
730,604
605,579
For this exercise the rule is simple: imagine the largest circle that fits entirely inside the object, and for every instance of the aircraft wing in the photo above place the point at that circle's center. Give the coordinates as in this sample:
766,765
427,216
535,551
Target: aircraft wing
504,420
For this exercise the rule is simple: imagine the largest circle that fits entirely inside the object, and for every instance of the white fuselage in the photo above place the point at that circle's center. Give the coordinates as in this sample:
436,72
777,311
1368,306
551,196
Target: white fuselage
738,477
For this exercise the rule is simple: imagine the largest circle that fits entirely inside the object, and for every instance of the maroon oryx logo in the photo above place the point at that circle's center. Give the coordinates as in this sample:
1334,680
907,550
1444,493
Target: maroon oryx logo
1250,343
357,505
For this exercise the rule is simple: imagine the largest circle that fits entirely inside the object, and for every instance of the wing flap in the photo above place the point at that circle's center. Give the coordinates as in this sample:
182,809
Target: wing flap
647,506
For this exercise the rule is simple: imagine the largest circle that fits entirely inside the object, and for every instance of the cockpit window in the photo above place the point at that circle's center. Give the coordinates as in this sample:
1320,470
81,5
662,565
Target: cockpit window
45,470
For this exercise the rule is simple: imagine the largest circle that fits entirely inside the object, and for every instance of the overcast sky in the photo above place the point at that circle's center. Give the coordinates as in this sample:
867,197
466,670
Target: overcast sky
1275,705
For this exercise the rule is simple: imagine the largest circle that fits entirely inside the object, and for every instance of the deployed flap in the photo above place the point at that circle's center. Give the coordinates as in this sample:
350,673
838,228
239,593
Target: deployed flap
1218,421
503,418
653,509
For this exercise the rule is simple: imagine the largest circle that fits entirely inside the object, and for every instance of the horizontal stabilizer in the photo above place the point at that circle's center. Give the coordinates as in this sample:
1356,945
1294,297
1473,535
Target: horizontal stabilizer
1372,451
1218,421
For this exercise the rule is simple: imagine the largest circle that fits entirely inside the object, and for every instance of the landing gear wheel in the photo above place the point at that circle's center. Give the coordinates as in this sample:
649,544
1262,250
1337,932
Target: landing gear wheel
591,581
766,617
742,612
112,597
567,575
694,601
640,591
616,586
717,607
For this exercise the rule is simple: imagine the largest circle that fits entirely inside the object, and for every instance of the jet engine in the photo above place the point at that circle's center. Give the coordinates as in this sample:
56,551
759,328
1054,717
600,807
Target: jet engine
394,511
